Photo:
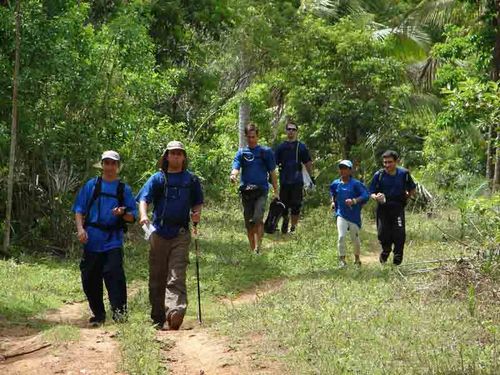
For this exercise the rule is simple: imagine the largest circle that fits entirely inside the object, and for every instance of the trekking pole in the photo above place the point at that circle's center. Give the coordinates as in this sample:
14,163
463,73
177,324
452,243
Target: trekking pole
197,270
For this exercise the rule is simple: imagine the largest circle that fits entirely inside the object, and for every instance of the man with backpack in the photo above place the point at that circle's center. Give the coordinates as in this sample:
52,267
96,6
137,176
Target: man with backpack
177,199
290,155
102,208
391,187
348,196
257,164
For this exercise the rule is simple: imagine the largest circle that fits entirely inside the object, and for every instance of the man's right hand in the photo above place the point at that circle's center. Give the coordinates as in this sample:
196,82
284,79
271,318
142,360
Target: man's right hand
233,178
144,220
82,236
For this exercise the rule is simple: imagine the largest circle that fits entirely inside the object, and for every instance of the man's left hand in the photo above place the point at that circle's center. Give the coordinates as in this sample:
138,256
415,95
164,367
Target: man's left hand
195,216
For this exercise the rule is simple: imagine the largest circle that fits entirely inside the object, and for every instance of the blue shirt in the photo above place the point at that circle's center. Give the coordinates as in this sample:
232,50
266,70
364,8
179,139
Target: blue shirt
171,204
394,186
255,164
341,191
100,212
290,156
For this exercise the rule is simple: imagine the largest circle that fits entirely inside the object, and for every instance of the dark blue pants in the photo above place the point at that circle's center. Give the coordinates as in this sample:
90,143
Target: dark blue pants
107,266
391,230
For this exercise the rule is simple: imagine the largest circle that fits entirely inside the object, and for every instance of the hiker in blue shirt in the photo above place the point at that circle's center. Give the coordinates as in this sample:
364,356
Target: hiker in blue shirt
391,187
102,207
290,155
177,199
348,196
256,164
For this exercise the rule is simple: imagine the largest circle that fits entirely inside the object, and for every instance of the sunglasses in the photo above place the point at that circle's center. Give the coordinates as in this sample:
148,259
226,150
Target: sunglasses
291,129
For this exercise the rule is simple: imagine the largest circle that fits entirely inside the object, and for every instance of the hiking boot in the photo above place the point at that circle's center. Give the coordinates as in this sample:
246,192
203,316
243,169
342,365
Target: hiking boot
342,262
257,250
97,321
357,261
174,320
292,229
158,325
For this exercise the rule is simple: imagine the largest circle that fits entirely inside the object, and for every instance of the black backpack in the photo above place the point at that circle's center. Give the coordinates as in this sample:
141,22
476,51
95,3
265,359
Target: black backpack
96,193
276,211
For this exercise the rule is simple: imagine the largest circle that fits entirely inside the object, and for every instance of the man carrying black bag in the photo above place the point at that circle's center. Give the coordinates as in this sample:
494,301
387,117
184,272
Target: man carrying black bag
256,163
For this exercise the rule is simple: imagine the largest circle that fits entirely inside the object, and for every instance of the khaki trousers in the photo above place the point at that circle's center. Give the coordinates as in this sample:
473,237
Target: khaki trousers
168,261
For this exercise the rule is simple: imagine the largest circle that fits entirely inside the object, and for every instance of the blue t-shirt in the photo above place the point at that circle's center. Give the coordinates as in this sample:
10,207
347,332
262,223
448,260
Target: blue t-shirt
341,191
100,212
394,186
255,164
289,157
172,203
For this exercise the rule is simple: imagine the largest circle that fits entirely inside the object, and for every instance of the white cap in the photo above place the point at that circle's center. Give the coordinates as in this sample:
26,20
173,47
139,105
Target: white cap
113,155
175,145
346,163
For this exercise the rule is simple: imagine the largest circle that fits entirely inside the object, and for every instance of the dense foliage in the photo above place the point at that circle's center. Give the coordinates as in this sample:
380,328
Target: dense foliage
357,76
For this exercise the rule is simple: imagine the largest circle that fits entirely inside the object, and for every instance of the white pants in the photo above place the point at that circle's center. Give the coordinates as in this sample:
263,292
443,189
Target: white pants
343,226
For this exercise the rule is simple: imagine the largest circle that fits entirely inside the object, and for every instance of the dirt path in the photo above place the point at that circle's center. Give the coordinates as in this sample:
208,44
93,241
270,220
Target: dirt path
28,352
195,350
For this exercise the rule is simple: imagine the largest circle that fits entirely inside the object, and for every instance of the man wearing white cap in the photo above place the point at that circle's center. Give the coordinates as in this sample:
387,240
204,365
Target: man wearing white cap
102,208
348,195
177,199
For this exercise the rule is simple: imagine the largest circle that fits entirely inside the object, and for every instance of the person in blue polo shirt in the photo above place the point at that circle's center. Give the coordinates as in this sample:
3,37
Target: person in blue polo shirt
348,196
177,199
391,187
101,208
290,155
256,163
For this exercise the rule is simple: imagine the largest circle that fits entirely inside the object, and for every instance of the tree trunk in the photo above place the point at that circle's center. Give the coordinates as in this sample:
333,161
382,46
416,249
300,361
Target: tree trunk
490,153
243,120
496,77
496,176
13,134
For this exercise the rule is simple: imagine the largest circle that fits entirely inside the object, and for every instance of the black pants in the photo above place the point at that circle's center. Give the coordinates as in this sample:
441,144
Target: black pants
391,230
291,196
107,266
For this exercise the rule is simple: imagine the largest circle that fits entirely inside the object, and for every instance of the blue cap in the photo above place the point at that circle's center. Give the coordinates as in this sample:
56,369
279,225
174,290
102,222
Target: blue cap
346,163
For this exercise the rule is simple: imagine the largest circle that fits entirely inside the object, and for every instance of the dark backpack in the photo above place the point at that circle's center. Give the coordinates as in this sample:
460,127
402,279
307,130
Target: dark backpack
164,193
276,211
403,198
96,193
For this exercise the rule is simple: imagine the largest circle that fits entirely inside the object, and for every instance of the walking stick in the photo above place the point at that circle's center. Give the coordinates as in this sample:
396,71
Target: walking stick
197,270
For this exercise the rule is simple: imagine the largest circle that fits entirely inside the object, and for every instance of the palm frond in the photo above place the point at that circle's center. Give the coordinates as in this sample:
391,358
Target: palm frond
436,13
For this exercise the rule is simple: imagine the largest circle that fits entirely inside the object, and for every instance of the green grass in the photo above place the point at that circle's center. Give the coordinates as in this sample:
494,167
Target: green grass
370,320
141,353
323,320
61,334
32,285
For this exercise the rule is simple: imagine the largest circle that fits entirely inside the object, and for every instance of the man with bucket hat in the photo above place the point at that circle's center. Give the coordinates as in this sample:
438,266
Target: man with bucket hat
177,199
348,195
102,208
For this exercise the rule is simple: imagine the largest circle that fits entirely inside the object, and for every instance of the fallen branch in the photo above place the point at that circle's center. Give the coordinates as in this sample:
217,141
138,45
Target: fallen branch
453,237
436,261
4,357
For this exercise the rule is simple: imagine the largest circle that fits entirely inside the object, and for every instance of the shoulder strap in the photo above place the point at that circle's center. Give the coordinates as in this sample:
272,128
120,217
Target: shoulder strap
120,194
379,179
95,193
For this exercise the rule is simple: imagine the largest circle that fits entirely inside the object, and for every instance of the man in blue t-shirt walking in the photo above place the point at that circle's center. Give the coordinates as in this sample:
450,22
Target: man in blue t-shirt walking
290,155
391,187
348,196
256,163
101,208
177,199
